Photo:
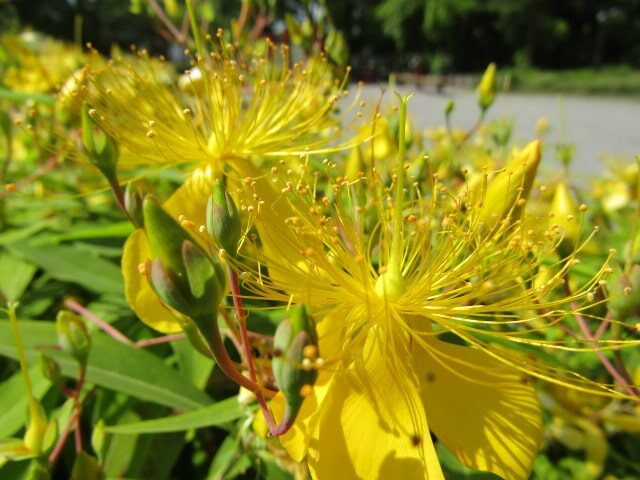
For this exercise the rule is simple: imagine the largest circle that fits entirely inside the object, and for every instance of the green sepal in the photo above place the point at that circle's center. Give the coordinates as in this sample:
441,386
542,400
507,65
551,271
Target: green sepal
37,471
86,467
101,149
165,237
291,337
50,369
223,219
133,199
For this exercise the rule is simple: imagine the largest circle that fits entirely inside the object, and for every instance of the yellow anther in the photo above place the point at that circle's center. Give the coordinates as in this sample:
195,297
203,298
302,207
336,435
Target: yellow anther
306,391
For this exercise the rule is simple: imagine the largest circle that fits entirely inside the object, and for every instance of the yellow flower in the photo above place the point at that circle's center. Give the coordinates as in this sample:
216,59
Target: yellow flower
410,340
237,109
36,63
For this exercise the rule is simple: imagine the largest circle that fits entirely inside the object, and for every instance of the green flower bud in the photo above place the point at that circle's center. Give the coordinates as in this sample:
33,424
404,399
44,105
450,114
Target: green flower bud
100,148
223,220
182,274
486,90
296,344
86,467
623,292
449,108
37,472
133,198
50,369
73,336
100,440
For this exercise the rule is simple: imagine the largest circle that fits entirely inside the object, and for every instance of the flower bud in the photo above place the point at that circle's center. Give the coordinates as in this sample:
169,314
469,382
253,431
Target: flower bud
355,163
565,218
449,108
510,185
37,471
73,336
100,440
133,198
37,429
50,369
486,90
86,467
223,220
100,148
623,292
182,274
292,338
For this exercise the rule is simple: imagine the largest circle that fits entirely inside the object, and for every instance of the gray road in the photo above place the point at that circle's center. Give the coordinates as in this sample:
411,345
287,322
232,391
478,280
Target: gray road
598,126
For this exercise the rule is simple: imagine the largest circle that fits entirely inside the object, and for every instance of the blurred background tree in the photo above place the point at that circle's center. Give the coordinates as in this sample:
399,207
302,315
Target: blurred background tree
425,36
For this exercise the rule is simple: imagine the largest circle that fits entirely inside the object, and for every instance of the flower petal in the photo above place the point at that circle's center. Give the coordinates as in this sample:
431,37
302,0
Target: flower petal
372,424
480,409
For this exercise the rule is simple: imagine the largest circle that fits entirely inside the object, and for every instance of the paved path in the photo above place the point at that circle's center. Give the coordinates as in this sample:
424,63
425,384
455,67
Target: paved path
596,125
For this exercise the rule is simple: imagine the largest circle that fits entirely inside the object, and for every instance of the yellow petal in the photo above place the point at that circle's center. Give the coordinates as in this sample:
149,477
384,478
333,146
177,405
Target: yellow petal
142,299
190,201
372,424
480,409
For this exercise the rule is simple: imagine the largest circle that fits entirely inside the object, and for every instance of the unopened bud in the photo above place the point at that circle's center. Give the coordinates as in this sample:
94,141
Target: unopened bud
37,429
565,218
223,220
486,90
511,184
73,336
100,440
133,198
100,148
623,288
449,108
181,273
355,163
50,369
86,467
294,337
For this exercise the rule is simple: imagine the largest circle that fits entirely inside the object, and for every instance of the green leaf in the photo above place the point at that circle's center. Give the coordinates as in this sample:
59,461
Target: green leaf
13,400
67,264
15,276
88,231
111,364
193,365
225,456
22,97
211,415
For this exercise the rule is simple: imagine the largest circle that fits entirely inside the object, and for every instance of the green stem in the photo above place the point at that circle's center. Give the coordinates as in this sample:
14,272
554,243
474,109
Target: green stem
395,262
196,30
211,332
634,226
24,368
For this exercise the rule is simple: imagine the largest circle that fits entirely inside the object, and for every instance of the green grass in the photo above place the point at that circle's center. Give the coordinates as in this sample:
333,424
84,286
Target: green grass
619,80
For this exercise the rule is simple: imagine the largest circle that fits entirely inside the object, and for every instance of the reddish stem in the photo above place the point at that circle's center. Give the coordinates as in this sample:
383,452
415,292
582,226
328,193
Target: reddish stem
582,323
104,326
242,322
159,340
